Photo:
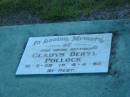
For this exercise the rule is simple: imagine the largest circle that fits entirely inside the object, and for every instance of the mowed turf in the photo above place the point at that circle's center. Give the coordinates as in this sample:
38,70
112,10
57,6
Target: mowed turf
58,9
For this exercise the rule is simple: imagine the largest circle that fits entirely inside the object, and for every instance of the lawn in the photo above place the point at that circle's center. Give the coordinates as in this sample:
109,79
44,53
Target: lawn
57,9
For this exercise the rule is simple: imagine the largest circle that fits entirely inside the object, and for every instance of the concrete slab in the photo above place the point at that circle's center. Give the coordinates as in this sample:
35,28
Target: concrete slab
115,83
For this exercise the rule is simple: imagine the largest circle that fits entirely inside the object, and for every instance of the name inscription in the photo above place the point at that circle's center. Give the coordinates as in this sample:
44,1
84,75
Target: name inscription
66,54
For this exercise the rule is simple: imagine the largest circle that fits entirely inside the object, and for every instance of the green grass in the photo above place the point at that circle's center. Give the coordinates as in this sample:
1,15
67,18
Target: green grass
57,9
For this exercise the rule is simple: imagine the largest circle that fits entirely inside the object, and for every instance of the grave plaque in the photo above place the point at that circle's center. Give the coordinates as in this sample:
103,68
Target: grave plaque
66,54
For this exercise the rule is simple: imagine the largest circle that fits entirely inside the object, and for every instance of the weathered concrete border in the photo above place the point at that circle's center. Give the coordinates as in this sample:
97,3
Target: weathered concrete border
113,84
